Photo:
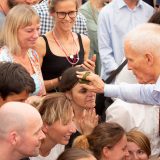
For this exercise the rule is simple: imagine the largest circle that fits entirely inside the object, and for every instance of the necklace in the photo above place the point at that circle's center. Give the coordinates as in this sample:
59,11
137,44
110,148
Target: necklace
71,58
2,9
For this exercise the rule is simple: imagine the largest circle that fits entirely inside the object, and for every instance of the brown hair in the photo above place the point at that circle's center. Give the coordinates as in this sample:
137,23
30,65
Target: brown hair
140,139
74,154
52,4
69,78
104,135
155,18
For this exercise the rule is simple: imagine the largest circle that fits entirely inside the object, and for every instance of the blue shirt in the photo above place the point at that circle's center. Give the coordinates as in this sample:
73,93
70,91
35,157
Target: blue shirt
115,20
137,93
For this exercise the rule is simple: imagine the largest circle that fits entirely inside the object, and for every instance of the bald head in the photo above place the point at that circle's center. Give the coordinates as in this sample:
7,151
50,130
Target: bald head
144,38
16,116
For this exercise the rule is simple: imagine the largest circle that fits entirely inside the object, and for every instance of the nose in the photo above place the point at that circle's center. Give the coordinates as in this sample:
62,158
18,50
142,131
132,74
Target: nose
135,156
72,128
36,34
91,94
126,153
67,17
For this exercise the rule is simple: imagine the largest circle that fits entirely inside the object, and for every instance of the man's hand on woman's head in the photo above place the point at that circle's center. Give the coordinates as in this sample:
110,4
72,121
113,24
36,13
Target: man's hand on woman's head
95,85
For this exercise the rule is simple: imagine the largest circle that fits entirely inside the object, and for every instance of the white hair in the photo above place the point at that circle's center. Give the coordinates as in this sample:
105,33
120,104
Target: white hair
144,38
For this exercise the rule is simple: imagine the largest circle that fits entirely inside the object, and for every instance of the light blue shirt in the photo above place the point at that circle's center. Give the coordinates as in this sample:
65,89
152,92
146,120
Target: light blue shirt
137,93
115,20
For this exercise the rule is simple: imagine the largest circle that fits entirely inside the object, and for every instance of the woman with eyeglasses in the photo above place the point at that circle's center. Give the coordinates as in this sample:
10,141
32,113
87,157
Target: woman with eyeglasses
61,48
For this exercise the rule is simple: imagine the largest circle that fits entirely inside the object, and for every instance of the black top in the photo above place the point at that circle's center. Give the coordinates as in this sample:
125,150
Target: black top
72,138
53,66
150,2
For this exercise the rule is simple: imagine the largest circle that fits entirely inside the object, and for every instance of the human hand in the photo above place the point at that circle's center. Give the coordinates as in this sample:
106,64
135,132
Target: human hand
88,121
95,85
90,64
33,100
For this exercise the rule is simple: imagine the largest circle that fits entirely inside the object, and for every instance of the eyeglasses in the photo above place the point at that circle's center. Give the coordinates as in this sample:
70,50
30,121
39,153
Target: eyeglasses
62,15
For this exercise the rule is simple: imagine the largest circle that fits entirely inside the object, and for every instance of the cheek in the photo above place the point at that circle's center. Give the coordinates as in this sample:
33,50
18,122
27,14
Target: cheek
78,98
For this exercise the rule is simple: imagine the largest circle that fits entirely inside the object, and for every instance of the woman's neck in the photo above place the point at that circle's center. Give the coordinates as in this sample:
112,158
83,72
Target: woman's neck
98,4
46,147
78,111
23,53
63,36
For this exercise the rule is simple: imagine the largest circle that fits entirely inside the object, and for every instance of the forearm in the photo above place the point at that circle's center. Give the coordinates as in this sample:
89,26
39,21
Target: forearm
137,93
51,84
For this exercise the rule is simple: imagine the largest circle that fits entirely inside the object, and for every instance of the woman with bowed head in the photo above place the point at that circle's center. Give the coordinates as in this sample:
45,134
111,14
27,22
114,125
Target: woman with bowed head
108,141
61,48
20,32
76,154
83,102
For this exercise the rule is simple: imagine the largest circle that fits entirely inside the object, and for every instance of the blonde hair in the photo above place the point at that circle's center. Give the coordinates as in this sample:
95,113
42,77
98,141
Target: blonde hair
52,4
21,15
140,139
55,107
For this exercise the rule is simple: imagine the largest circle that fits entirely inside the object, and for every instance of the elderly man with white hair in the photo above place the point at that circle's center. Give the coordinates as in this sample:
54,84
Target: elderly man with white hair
142,50
20,131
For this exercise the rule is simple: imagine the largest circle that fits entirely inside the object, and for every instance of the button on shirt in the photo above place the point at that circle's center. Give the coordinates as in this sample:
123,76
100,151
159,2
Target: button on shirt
46,21
115,20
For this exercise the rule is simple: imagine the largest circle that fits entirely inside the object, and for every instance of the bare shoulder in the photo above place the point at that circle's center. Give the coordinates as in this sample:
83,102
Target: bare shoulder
40,47
85,39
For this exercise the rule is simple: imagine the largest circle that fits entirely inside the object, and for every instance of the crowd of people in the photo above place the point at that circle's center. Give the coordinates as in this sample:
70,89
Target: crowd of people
55,58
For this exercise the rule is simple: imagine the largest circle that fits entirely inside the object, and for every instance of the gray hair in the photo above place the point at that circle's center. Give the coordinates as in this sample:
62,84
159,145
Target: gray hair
144,38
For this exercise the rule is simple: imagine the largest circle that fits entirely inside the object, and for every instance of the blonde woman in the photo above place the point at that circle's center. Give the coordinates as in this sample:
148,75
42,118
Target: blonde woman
20,32
57,115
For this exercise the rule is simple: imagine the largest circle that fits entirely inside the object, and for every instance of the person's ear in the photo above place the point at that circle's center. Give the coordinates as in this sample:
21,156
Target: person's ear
68,95
149,59
105,152
14,137
45,127
2,101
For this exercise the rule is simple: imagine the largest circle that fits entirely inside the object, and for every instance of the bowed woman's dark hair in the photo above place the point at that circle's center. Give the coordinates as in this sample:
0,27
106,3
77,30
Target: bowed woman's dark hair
69,78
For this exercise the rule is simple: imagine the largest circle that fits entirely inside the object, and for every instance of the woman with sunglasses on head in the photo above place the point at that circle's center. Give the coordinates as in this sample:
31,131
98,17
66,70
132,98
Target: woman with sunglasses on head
83,102
61,48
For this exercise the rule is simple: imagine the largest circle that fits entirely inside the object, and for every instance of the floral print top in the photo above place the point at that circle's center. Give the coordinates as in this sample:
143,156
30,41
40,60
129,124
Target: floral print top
5,55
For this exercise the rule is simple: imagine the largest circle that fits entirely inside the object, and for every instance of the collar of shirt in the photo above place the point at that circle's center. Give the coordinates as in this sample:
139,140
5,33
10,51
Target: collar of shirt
122,4
157,88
